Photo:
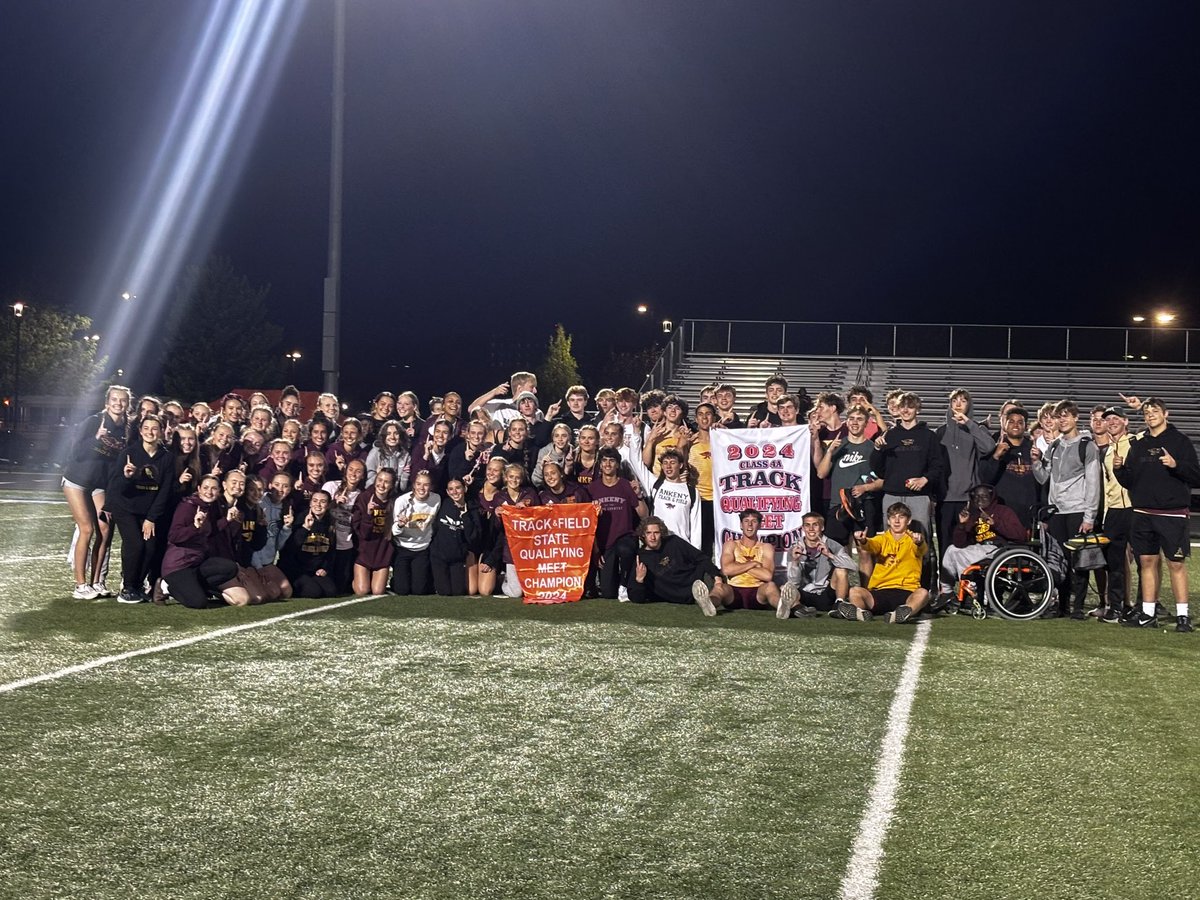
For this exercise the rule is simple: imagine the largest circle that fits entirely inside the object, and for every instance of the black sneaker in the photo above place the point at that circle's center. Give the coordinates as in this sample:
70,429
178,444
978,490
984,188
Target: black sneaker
1183,624
940,602
1142,621
847,610
131,597
1079,615
804,612
1111,616
1131,613
900,614
1160,611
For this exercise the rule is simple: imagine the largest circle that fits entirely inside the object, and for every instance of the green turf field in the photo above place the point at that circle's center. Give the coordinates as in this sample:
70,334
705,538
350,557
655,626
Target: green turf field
426,747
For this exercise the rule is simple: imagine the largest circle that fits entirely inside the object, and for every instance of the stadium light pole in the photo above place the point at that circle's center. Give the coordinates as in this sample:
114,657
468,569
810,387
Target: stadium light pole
291,358
331,321
18,309
1157,320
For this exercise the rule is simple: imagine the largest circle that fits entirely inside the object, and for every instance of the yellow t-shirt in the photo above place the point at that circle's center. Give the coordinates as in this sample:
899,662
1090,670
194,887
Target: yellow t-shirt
897,562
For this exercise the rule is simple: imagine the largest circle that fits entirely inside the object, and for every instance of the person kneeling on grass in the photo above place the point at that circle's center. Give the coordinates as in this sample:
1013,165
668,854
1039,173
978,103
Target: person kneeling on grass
307,557
818,575
895,558
669,569
748,564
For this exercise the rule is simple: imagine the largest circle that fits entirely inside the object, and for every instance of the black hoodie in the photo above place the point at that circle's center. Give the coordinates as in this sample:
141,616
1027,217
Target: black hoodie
910,453
1152,485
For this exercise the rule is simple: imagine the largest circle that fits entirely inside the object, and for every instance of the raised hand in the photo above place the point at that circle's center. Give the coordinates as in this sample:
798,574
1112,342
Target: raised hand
639,571
130,468
200,518
309,521
1167,459
185,476
1133,401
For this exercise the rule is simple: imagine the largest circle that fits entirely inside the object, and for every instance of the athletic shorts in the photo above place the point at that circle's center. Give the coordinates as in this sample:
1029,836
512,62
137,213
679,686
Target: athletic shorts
80,487
888,599
823,600
747,598
1151,535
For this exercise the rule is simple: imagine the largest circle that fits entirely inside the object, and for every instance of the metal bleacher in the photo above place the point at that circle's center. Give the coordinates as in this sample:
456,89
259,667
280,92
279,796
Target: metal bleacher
687,368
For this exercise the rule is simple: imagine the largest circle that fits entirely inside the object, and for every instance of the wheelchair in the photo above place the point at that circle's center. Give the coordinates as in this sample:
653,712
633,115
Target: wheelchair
1020,582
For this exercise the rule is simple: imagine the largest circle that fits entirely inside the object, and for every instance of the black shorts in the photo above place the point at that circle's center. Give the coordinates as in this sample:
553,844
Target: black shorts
823,600
1151,535
888,599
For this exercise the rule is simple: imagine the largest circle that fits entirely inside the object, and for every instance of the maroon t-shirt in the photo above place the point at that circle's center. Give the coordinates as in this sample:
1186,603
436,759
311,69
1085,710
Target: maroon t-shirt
618,510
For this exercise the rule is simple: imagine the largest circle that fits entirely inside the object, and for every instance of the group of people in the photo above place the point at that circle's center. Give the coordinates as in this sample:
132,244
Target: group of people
255,502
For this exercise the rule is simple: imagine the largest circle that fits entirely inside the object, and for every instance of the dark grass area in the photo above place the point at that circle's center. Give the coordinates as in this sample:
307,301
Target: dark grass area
476,747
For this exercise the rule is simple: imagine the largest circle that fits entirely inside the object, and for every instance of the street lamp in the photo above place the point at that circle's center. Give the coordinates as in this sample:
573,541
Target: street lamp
18,309
291,358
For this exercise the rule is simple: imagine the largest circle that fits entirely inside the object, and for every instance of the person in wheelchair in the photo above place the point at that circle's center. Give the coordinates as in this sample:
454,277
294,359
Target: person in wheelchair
894,586
984,526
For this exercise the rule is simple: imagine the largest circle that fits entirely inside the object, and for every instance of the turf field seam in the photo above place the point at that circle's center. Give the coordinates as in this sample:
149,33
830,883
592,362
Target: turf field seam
862,872
174,645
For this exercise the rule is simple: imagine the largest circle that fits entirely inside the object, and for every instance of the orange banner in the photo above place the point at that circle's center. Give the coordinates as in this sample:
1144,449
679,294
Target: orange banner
551,547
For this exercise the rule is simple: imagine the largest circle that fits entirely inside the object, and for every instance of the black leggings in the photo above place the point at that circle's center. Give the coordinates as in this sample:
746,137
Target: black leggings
191,586
449,577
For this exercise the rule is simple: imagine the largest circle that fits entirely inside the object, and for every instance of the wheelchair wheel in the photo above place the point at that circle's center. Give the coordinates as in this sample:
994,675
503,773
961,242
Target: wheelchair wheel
1019,584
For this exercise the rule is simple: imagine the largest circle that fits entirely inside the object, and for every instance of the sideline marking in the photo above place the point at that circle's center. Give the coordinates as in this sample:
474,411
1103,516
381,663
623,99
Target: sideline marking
20,559
30,500
183,642
862,872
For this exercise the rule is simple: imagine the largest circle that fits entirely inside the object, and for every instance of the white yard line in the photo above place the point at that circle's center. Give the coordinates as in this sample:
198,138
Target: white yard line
5,560
30,500
862,872
173,645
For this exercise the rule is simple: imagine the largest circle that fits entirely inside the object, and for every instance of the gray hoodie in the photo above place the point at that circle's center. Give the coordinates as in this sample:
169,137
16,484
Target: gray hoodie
964,444
1074,485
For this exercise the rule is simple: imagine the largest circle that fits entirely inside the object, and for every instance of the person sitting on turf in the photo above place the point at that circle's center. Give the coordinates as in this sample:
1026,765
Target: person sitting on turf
894,587
748,564
818,575
670,570
984,526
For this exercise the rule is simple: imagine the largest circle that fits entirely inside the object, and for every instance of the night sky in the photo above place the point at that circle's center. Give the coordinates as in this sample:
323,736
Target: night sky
510,165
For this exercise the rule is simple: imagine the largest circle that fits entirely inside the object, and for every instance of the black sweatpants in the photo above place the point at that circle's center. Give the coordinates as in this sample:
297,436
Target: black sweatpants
192,586
1117,523
314,586
137,554
449,577
618,565
1064,526
410,572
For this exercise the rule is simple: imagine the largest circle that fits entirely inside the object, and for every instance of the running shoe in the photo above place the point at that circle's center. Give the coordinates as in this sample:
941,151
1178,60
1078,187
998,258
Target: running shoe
787,601
1142,621
899,615
847,610
102,591
700,594
131,597
1183,624
84,592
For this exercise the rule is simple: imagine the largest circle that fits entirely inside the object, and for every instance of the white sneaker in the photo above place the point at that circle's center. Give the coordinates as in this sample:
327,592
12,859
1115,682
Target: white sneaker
787,600
84,592
102,591
700,593
623,594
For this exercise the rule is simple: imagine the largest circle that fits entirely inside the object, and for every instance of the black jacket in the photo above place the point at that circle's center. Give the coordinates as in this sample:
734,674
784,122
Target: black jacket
910,453
670,571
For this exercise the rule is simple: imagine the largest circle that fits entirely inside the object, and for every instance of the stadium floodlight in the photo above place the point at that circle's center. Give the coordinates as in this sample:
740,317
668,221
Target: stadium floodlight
189,167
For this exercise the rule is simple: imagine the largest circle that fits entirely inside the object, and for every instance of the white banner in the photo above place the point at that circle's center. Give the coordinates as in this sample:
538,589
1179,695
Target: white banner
768,469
